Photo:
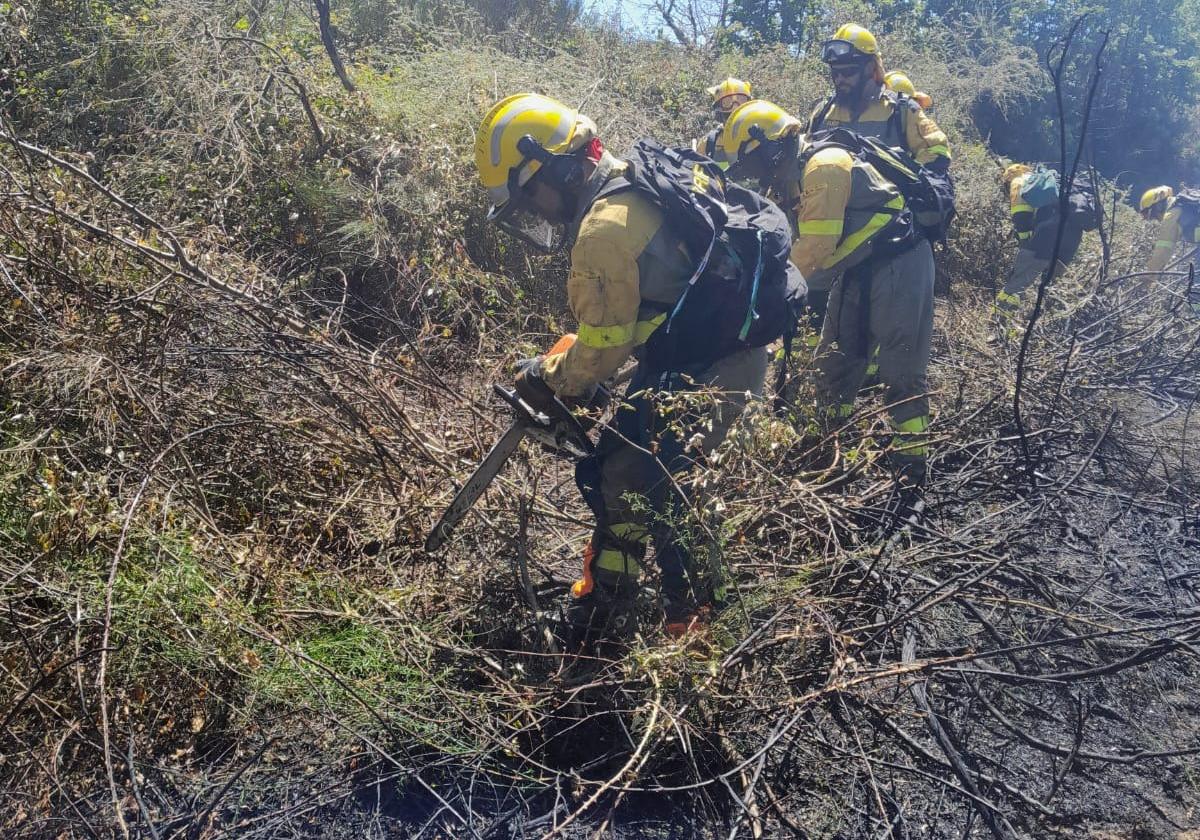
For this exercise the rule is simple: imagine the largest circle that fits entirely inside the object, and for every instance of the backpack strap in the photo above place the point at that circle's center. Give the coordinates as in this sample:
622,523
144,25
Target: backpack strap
902,104
818,118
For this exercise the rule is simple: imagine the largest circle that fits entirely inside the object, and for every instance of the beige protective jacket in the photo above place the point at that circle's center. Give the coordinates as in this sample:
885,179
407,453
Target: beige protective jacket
917,132
1023,215
627,270
1171,231
837,207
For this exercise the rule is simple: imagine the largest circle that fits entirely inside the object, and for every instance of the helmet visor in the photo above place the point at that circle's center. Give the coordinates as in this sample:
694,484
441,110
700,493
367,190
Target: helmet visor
512,212
729,103
521,222
839,50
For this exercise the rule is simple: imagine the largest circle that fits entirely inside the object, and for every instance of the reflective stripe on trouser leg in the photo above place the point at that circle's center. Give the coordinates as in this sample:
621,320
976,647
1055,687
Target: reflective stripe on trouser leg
612,553
873,364
912,439
1006,304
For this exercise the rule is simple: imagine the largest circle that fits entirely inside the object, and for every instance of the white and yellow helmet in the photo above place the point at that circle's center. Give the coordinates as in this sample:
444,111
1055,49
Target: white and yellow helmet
854,43
858,37
757,118
723,92
1014,171
555,127
1152,197
899,82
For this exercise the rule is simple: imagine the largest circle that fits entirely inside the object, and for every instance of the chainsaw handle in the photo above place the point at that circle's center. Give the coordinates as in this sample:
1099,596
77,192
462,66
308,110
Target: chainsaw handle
521,408
527,414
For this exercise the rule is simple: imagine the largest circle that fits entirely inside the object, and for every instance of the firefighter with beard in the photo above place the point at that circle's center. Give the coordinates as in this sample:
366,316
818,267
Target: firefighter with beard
863,103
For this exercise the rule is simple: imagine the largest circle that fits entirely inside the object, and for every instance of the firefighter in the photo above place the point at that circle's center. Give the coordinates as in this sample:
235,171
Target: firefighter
900,83
1178,222
864,104
1035,231
1178,218
727,96
853,234
549,175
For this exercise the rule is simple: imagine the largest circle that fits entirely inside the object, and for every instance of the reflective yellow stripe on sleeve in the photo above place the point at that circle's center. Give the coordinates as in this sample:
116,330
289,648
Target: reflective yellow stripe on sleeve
940,149
617,335
1024,234
643,329
1022,208
851,243
821,227
1164,243
601,338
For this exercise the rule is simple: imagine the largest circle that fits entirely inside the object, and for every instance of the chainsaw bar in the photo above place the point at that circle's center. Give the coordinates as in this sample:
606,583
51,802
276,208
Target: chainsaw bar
562,435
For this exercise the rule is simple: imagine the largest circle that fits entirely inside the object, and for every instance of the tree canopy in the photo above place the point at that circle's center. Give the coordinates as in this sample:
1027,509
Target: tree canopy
1145,114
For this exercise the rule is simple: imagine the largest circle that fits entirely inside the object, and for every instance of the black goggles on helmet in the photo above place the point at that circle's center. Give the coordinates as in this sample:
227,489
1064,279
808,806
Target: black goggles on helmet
837,50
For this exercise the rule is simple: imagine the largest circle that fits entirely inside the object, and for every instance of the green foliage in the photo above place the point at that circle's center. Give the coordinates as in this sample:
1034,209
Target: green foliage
757,22
1144,115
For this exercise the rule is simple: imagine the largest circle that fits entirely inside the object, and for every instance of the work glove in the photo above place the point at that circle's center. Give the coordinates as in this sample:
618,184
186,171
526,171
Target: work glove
533,389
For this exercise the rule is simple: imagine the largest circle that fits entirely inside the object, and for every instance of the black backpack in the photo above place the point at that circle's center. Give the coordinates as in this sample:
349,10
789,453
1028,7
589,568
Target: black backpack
741,293
1084,206
928,193
1188,201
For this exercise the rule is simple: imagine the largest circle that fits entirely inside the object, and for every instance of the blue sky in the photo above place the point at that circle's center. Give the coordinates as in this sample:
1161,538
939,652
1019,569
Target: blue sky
635,14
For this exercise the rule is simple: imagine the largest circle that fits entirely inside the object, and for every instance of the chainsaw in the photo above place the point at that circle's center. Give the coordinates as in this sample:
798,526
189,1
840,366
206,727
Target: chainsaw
561,434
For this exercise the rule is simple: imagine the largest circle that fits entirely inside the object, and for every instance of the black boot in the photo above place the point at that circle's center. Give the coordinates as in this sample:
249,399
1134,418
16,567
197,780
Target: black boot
907,504
604,619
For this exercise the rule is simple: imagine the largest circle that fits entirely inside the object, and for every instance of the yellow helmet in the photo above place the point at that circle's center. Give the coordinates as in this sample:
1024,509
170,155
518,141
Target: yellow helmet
1013,171
556,128
900,83
850,41
1153,196
519,136
729,87
854,44
755,120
